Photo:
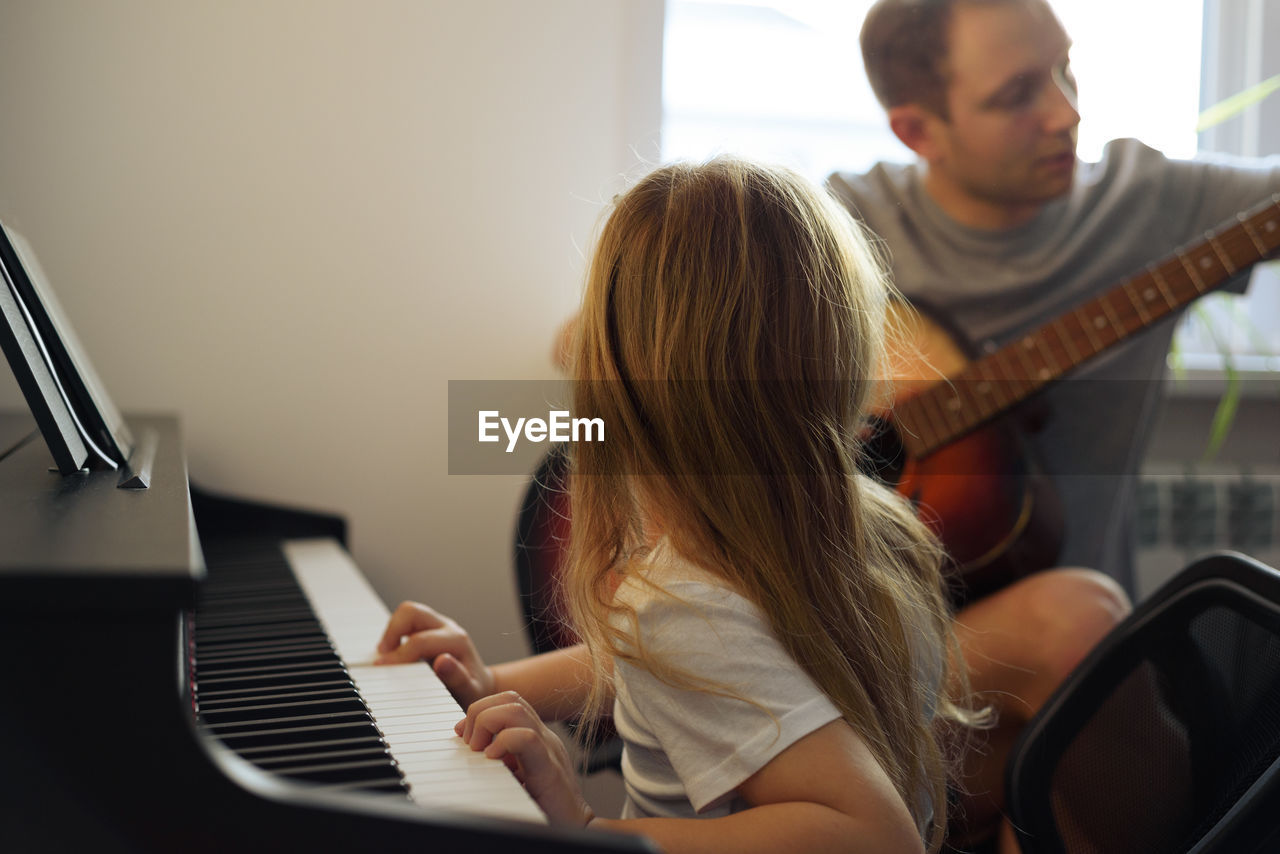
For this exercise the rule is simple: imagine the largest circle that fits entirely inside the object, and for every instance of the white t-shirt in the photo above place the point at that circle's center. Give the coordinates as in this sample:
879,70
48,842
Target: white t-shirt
685,750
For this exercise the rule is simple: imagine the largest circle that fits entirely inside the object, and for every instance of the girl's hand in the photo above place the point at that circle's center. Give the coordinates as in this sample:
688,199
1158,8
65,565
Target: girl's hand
506,727
418,632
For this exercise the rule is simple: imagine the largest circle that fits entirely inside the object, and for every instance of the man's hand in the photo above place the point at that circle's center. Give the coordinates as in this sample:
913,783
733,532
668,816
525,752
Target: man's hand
415,631
506,727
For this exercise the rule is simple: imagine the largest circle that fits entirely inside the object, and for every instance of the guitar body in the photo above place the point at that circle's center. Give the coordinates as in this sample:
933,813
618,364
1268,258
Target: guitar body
995,512
983,494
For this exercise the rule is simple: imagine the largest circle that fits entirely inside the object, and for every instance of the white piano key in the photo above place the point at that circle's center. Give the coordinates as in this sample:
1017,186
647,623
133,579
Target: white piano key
411,706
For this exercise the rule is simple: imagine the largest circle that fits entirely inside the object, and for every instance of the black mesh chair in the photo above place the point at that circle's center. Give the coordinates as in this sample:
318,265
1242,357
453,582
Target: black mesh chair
542,535
1167,737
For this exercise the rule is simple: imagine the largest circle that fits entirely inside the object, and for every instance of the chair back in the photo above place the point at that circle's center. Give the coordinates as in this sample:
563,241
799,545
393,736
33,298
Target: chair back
1166,738
542,536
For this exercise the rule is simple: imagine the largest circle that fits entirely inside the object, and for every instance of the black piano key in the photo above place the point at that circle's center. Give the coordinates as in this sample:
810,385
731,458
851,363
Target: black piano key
293,628
220,648
359,771
265,670
258,624
294,735
301,676
333,742
211,700
390,787
238,657
267,722
324,753
265,711
267,683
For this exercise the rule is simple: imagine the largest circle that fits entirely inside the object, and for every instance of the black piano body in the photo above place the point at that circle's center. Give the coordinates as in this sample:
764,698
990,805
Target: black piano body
99,748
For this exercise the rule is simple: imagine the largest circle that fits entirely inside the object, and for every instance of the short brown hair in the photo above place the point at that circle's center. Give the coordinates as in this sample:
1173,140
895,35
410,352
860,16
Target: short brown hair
905,44
904,47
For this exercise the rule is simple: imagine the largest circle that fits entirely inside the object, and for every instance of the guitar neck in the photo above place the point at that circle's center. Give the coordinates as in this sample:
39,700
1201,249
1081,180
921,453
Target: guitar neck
993,384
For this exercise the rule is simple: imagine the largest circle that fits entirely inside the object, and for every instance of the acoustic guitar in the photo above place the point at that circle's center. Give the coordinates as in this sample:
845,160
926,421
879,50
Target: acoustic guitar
944,445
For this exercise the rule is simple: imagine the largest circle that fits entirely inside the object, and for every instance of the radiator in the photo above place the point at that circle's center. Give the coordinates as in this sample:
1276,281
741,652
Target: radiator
1183,515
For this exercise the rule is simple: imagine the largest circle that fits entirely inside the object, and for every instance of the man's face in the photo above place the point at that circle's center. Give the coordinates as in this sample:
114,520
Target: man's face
1011,134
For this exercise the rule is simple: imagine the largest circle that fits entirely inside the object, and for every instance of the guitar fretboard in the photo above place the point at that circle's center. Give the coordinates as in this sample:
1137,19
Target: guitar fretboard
949,409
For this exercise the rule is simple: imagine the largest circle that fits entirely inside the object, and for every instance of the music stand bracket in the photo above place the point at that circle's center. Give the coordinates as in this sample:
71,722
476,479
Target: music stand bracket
136,473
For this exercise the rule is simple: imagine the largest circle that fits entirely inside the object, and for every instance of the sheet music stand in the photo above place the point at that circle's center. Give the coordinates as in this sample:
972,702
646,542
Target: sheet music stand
75,415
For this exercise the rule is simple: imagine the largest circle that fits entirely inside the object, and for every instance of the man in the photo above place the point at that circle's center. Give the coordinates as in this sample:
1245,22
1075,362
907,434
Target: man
997,229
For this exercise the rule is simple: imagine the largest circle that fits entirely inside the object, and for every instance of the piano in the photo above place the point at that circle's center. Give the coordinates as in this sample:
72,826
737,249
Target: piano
189,672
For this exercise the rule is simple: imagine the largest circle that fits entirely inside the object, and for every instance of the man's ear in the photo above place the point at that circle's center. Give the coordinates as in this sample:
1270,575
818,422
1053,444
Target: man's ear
915,126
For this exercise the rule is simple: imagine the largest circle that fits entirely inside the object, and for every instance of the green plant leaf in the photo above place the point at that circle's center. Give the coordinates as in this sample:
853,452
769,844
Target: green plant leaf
1223,110
1225,413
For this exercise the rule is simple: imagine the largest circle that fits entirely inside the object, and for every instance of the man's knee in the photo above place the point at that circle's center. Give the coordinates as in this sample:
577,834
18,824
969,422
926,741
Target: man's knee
1074,609
1023,641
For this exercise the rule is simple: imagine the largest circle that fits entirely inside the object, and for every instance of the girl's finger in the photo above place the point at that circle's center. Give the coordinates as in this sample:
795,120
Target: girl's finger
495,718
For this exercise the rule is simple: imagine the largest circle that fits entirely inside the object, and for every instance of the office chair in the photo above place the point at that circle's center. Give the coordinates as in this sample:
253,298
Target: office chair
1166,738
542,536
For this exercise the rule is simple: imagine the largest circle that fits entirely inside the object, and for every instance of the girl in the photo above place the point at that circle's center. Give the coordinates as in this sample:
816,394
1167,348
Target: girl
767,624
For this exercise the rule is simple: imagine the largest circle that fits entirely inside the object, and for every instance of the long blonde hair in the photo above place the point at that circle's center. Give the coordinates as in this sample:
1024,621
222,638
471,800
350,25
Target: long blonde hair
730,339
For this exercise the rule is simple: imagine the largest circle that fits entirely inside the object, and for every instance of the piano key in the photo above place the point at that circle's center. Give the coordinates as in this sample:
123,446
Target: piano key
453,777
248,709
282,630
326,755
210,701
343,772
275,738
272,752
325,706
226,685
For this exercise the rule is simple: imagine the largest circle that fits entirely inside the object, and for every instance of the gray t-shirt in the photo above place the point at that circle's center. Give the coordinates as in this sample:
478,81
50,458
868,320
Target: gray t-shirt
989,288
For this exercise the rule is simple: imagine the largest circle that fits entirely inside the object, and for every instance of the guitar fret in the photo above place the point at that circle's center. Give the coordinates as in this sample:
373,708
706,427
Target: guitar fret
1163,286
1112,316
1223,258
966,404
990,383
1085,325
910,419
941,401
981,393
939,429
975,411
953,408
981,404
1253,235
1024,351
936,410
1072,353
1191,271
1001,360
1051,366
1142,309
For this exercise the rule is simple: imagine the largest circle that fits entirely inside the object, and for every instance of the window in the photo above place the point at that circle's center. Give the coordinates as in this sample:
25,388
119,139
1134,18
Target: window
782,80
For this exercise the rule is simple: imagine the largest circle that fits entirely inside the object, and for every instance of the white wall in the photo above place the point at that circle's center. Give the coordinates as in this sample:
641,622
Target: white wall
293,222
